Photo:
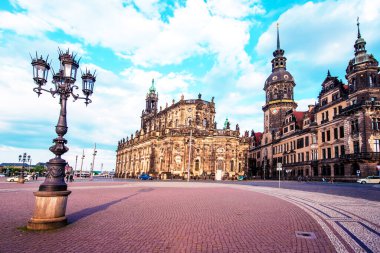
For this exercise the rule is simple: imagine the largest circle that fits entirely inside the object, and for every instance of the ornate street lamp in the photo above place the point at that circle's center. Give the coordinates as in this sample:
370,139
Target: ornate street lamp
52,196
23,158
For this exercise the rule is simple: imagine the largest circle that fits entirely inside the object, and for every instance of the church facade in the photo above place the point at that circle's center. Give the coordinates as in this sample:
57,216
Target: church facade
182,137
338,137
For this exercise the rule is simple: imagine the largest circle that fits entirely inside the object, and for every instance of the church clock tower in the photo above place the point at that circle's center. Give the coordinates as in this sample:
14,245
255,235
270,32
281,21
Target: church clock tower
150,106
279,94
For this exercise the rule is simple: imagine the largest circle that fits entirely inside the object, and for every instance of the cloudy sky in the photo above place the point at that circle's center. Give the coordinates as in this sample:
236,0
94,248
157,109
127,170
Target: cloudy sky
219,48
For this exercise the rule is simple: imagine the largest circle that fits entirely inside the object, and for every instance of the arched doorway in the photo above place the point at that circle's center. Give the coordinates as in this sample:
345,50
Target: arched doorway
220,164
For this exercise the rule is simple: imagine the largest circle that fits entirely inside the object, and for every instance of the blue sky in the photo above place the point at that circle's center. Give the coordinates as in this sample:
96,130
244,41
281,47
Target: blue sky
219,48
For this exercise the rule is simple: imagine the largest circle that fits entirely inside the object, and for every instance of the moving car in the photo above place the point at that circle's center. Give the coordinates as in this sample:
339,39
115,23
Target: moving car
369,180
145,177
15,178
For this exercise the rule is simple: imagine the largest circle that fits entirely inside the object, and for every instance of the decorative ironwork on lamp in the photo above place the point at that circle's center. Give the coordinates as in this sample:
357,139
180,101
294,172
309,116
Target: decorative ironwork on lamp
64,87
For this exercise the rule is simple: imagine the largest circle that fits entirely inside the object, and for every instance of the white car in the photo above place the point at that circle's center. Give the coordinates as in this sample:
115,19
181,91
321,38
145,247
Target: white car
15,179
369,180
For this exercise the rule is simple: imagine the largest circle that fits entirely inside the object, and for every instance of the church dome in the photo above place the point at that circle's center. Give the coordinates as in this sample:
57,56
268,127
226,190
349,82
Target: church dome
280,75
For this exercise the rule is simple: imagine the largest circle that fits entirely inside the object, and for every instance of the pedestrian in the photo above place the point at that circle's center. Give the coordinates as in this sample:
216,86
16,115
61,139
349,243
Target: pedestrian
71,178
67,177
36,175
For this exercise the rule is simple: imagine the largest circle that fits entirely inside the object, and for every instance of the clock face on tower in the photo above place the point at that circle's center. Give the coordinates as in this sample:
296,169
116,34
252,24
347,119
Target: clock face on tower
274,111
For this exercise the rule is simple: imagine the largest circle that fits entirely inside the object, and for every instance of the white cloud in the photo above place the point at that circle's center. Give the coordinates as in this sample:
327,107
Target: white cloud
235,8
253,78
24,24
303,104
322,33
141,35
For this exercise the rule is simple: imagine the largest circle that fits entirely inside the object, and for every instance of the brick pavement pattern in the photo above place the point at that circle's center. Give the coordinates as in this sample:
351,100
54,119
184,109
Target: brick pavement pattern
108,217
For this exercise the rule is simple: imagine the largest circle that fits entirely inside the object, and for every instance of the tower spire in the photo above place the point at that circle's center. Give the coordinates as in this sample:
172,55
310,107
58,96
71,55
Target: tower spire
279,61
328,73
278,37
358,24
152,89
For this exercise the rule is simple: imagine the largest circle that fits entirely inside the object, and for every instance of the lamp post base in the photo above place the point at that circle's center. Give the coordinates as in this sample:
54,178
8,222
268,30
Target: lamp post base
50,210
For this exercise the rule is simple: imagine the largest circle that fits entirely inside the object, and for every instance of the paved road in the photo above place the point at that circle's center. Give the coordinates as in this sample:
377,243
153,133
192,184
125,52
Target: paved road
354,190
133,216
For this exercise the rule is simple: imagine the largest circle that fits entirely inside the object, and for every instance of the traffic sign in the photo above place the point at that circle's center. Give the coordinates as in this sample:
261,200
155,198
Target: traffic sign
279,169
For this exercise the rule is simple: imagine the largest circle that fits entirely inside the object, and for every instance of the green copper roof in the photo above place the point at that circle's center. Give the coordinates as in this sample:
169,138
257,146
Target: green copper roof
152,89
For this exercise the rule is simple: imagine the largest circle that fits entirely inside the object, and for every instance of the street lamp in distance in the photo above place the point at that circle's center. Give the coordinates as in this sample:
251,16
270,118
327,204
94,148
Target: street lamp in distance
23,158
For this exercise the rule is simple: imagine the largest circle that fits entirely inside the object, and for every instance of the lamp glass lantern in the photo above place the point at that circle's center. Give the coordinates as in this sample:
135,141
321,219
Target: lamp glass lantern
70,67
88,81
40,71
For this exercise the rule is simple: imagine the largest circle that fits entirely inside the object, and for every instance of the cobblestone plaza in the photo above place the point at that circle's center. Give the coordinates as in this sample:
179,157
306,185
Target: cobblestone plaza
176,216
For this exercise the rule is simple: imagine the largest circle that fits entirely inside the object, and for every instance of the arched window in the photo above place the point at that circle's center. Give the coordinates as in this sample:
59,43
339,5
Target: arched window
285,93
204,122
197,165
232,165
176,123
189,121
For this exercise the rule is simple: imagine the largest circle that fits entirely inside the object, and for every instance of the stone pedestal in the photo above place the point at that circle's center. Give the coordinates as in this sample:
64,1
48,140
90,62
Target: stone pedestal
50,210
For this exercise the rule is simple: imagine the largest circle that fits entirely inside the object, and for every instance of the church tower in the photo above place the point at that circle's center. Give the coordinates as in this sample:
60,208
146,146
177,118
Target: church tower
151,100
279,94
362,73
150,105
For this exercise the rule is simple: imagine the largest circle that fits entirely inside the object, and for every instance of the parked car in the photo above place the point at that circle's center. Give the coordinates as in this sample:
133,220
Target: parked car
15,178
84,174
241,177
145,177
369,180
2,175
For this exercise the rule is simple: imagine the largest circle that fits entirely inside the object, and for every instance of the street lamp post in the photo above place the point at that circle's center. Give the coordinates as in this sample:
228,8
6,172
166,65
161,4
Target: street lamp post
93,162
76,162
23,158
30,165
51,199
81,164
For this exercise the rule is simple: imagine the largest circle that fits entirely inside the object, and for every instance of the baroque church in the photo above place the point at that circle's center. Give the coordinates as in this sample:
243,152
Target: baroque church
179,138
337,138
